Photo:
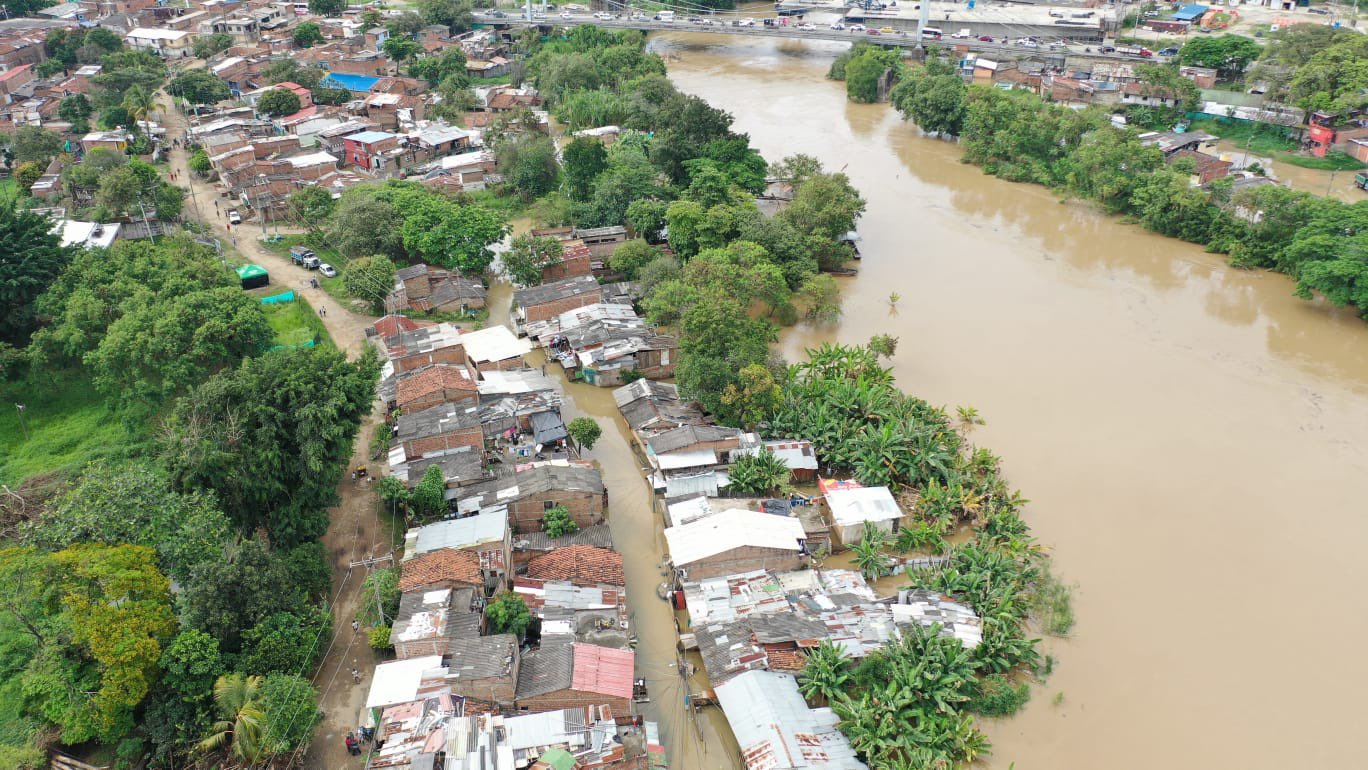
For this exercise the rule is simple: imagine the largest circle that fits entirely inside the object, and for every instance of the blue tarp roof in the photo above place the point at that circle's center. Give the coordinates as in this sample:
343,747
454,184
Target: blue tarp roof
1190,12
354,83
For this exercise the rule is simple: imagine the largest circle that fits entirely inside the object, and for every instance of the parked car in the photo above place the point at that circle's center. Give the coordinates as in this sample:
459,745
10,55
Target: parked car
962,35
1168,52
299,253
311,263
496,13
886,30
807,27
1107,49
327,270
234,218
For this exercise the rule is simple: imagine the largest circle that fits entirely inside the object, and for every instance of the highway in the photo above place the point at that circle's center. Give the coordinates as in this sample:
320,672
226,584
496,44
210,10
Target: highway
792,32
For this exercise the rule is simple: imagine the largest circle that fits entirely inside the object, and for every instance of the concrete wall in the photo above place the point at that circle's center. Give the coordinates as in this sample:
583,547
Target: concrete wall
744,559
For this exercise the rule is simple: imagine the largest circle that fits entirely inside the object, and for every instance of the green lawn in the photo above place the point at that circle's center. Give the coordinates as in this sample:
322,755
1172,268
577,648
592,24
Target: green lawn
1274,142
1333,161
68,426
295,323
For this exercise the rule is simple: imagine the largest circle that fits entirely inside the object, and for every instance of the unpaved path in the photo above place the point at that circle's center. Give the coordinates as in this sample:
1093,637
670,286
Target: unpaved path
356,532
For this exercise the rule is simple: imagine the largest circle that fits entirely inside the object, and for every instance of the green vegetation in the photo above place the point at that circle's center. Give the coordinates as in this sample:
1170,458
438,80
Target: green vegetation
1258,138
584,431
508,614
557,522
759,474
67,422
295,324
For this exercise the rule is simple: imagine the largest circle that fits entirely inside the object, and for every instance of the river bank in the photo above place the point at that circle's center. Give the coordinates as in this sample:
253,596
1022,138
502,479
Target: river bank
1173,420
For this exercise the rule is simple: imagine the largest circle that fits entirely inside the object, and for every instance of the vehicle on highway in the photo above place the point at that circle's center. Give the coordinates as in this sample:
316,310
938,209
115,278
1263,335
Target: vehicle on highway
234,218
1026,42
1056,46
1134,50
807,27
985,38
637,16
931,33
1106,49
665,16
837,25
857,28
963,34
327,270
1168,52
746,23
886,30
871,32
496,13
567,15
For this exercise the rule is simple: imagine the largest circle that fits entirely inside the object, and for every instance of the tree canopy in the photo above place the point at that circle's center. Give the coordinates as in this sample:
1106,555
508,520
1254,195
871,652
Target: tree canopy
34,258
278,102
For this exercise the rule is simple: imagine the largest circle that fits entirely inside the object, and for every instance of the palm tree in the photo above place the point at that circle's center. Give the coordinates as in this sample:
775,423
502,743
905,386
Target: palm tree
762,473
241,727
139,103
826,673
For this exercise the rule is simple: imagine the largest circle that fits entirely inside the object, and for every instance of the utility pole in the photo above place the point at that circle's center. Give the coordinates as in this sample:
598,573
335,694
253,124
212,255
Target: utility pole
20,408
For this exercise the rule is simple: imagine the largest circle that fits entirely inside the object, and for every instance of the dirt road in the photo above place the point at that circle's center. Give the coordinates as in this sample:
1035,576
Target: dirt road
356,532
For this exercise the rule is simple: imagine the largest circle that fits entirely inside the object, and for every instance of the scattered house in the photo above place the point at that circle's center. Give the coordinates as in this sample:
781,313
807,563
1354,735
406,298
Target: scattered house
1170,142
575,676
1203,77
689,458
538,303
591,614
485,535
654,407
484,668
735,541
528,494
854,507
602,241
928,608
391,325
461,466
777,731
495,348
1209,168
580,565
442,427
367,149
442,569
425,346
402,681
166,43
429,621
116,141
575,260
1148,95
435,385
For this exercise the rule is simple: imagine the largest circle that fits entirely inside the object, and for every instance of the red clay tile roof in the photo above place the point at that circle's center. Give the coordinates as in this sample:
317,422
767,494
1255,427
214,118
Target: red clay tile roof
784,658
603,670
440,567
391,325
433,379
580,564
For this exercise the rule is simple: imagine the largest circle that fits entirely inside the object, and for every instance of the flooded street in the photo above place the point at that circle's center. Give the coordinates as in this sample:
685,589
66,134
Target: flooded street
1191,437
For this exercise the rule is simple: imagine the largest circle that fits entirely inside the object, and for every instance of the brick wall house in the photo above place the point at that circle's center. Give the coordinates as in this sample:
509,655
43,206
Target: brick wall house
574,676
441,427
578,488
539,303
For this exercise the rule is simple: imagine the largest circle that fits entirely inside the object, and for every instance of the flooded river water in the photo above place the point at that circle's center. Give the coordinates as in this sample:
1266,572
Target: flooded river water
1191,438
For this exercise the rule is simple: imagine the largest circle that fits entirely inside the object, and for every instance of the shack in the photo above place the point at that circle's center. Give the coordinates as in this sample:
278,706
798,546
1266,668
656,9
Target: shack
853,508
253,276
735,541
576,675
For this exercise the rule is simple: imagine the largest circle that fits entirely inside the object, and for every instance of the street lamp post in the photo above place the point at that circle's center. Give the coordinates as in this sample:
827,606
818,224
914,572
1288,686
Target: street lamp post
20,408
261,178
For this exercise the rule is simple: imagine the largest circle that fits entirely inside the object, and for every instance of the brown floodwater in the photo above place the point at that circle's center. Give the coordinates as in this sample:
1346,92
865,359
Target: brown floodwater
1190,436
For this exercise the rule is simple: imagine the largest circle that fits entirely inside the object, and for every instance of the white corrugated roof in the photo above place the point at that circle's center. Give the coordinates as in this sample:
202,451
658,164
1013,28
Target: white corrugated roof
311,159
726,530
494,344
853,506
486,527
775,728
398,681
690,459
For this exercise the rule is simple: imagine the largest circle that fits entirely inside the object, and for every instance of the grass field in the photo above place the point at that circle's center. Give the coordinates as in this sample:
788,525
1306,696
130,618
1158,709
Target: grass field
68,425
295,323
333,286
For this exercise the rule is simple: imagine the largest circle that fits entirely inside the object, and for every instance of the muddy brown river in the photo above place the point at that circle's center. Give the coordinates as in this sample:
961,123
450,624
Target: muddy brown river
1190,436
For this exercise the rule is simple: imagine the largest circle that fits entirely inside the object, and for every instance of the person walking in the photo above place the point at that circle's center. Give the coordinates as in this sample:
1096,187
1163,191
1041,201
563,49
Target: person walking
323,311
356,624
356,676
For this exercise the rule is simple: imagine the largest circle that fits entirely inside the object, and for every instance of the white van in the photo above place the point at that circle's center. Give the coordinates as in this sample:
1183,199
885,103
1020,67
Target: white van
665,16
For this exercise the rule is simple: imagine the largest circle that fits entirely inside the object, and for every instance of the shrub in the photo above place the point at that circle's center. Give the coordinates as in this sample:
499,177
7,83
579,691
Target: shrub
379,638
558,521
999,696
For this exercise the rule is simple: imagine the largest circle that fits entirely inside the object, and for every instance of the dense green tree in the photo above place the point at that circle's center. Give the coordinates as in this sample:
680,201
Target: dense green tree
718,340
584,431
508,614
289,704
526,257
310,569
826,672
226,597
362,225
278,102
163,348
286,643
33,260
239,731
647,218
753,397
370,279
451,235
629,258
406,24
435,69
31,143
455,15
125,69
401,49
557,522
1334,79
180,708
308,34
26,175
311,206
1227,54
207,46
429,494
585,159
381,589
933,96
863,71
75,109
199,87
1108,165
327,7
1164,80
272,437
134,503
528,164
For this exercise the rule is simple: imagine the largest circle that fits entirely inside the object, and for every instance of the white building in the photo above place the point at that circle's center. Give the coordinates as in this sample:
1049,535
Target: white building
851,509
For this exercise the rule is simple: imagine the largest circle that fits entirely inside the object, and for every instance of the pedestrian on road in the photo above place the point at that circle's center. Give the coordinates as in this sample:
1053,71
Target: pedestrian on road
356,624
352,747
322,311
356,676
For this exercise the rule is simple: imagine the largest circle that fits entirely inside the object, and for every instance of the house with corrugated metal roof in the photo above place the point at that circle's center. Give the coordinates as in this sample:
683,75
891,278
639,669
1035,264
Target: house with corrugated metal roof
576,675
777,730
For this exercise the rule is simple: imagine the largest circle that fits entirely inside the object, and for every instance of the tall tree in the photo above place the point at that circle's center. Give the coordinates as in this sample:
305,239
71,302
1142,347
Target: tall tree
139,102
199,87
278,102
32,260
527,256
585,159
272,437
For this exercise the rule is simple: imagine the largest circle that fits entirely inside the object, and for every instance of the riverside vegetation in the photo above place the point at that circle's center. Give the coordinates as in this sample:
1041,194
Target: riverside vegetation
1020,137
